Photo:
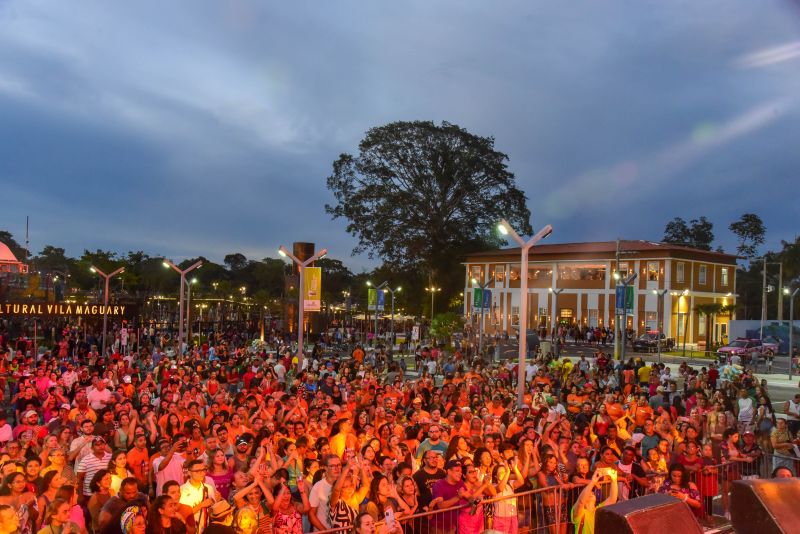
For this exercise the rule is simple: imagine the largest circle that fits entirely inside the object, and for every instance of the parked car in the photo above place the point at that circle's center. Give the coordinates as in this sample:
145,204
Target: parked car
648,342
744,348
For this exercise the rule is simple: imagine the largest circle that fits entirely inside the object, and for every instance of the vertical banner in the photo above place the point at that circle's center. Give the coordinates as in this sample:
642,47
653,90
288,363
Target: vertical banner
477,299
620,299
312,288
487,299
629,299
415,333
372,297
381,299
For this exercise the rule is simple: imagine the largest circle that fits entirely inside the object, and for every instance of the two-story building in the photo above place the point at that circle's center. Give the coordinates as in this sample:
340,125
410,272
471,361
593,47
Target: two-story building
574,283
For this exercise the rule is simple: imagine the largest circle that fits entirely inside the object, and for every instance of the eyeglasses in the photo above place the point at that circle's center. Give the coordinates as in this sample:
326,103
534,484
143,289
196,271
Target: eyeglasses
201,470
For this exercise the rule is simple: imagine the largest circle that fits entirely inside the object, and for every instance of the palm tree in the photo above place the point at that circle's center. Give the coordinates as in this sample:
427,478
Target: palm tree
710,310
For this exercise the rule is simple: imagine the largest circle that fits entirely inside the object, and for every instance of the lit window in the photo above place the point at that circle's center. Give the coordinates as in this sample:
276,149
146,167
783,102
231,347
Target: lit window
701,278
652,271
679,272
724,276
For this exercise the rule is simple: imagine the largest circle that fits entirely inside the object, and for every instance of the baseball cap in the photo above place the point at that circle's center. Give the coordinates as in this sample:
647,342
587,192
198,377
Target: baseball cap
452,464
65,407
30,413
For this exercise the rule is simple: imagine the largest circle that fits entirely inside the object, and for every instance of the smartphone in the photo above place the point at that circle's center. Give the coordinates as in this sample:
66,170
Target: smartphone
390,522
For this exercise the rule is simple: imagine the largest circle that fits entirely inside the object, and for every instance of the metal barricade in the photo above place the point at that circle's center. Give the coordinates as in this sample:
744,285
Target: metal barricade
540,511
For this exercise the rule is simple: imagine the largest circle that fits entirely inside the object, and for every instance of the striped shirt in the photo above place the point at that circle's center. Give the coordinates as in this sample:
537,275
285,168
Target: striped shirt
91,464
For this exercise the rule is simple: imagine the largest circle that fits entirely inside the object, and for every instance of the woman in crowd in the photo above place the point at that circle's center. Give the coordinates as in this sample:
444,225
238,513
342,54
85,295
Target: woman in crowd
220,472
52,481
101,493
679,486
347,494
555,501
13,492
118,469
163,517
56,519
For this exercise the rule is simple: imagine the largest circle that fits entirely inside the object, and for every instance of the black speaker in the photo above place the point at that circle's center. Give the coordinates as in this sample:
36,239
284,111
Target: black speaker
652,514
766,506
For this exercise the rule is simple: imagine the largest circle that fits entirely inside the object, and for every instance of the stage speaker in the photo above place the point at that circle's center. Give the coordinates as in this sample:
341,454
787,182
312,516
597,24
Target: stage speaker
766,506
657,513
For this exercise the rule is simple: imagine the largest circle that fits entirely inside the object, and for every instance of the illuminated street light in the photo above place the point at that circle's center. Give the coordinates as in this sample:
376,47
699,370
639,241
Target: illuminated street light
525,247
107,278
302,268
168,264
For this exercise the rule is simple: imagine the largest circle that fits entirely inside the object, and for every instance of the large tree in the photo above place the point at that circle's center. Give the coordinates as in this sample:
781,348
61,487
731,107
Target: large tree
697,233
750,230
418,194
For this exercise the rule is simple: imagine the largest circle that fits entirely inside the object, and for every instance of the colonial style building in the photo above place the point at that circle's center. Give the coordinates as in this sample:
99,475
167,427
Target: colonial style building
574,283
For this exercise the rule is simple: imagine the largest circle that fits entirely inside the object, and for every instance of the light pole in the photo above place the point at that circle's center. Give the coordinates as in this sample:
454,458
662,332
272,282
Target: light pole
168,264
377,288
392,291
189,308
791,327
432,290
554,321
662,293
480,319
301,265
525,247
107,278
620,338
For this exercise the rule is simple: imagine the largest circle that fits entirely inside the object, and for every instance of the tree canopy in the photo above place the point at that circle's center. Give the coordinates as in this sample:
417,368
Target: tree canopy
697,233
750,230
419,194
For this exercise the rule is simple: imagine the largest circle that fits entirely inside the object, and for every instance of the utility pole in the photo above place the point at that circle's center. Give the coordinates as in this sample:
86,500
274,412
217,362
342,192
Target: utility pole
780,293
616,315
763,299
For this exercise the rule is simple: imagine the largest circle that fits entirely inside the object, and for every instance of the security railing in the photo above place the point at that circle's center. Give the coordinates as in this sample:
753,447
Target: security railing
547,510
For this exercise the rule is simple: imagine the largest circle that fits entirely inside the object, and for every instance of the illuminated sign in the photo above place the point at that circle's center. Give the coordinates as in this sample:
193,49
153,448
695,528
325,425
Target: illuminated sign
49,308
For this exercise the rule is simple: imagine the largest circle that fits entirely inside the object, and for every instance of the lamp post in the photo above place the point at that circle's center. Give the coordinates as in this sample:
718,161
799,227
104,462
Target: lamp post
183,273
791,327
556,293
525,247
621,338
392,291
377,288
432,290
480,319
662,293
107,278
189,308
301,265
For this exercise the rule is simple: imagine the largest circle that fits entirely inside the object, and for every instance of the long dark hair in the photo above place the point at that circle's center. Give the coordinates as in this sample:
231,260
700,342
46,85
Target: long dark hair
684,474
373,493
154,516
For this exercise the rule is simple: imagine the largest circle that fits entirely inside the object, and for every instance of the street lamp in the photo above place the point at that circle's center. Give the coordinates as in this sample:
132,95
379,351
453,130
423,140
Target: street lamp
659,305
392,292
621,338
301,265
791,327
189,307
556,293
107,277
168,264
377,288
525,247
432,290
480,320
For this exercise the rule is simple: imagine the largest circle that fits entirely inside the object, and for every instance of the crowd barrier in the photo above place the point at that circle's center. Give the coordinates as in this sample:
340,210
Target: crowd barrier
547,510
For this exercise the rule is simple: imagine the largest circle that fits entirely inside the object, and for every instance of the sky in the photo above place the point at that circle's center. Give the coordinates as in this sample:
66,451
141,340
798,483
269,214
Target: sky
198,127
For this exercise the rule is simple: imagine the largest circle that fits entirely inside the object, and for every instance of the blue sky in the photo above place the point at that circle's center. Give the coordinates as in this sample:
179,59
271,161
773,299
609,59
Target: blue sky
193,128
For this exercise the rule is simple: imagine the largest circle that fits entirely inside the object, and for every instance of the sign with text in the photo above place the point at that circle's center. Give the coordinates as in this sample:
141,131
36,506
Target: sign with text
61,308
481,299
312,288
624,299
375,297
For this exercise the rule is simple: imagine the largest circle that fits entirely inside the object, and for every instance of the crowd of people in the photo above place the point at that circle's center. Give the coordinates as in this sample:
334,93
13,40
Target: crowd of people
229,437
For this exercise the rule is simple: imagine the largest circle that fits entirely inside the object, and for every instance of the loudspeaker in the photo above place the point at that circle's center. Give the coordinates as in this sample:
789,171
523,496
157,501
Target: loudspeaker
766,506
656,513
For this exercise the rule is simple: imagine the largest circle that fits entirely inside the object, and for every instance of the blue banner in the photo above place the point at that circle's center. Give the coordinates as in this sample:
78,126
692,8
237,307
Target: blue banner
381,299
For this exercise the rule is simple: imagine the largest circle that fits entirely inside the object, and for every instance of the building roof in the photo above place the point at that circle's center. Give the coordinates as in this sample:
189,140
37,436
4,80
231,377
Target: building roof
600,249
6,256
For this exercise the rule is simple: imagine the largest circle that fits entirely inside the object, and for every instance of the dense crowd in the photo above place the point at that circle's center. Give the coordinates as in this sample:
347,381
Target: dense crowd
229,437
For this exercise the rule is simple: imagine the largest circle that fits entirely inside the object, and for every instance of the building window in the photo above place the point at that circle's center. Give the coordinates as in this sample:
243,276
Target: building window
724,276
476,272
498,273
540,273
701,325
651,320
565,315
514,315
593,318
513,273
652,271
623,269
581,271
680,270
701,277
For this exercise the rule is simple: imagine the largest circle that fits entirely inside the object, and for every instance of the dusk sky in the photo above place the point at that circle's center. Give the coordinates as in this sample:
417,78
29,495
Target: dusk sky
192,128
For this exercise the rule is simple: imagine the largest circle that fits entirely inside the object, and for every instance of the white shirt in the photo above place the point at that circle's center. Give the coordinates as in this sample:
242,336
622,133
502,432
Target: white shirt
320,498
99,399
173,471
192,496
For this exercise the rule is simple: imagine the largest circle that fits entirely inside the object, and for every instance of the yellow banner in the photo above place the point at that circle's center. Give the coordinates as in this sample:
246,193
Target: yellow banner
312,289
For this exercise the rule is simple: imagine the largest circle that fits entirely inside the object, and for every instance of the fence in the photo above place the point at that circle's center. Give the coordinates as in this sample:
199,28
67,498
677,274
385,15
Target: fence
547,510
544,510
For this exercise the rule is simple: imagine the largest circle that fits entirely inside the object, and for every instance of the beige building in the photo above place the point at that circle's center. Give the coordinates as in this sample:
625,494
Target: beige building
573,283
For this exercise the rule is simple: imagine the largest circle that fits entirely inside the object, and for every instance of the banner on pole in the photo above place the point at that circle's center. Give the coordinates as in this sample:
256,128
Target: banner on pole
481,299
312,289
624,299
381,299
415,333
372,297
